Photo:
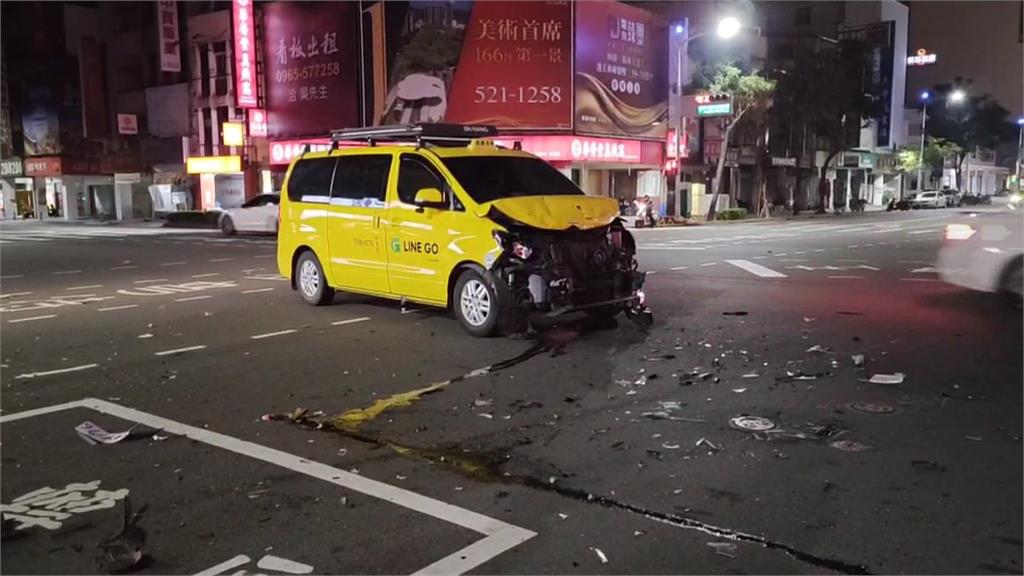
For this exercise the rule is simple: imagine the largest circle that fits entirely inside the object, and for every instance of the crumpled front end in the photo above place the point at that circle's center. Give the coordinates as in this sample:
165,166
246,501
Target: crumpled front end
560,271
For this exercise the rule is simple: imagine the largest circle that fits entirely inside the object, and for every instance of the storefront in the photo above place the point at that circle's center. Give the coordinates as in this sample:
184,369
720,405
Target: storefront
222,182
15,191
71,189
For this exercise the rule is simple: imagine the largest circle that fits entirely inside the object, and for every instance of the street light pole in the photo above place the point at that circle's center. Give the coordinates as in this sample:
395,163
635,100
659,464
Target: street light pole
1020,153
920,158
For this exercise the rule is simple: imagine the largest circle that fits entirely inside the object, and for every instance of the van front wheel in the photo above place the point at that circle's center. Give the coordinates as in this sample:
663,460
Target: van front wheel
309,278
476,304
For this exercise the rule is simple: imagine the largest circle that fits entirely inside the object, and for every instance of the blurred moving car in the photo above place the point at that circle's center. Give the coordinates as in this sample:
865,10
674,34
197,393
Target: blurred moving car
930,199
985,251
258,214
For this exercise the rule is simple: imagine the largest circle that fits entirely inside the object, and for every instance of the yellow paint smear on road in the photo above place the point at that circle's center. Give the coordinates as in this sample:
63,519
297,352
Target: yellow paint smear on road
354,418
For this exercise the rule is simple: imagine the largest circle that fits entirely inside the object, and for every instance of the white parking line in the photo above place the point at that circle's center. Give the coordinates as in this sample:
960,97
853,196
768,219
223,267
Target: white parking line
220,259
206,275
710,264
63,272
679,268
128,267
272,334
756,269
12,276
179,350
924,231
265,256
31,318
178,263
52,372
191,298
150,281
87,287
255,290
15,294
846,277
920,280
125,307
498,536
350,321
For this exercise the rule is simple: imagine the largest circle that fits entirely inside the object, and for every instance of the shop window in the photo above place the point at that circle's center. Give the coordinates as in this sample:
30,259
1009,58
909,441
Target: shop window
362,177
204,69
220,68
311,178
414,174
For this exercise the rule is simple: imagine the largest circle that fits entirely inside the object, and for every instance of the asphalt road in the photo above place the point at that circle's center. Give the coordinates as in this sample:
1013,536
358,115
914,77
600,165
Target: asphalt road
587,450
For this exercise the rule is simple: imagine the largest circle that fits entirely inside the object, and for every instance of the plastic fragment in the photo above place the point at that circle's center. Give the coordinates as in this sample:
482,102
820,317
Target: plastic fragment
486,415
727,549
894,378
603,558
819,348
750,375
668,446
739,390
563,516
858,359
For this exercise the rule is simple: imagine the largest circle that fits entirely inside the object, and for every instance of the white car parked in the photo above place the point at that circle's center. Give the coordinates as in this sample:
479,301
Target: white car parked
931,199
985,251
258,214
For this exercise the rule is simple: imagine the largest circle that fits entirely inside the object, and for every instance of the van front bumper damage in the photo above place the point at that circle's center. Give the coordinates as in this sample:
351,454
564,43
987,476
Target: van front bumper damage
558,272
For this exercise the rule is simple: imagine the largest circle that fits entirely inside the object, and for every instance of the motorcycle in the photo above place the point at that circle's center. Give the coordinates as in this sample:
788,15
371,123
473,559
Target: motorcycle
645,214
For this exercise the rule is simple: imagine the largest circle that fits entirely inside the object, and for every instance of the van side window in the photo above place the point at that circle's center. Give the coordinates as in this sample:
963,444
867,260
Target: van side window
310,180
414,174
361,178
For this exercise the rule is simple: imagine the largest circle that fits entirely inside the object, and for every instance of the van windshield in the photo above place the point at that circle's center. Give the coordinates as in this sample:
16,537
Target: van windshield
487,178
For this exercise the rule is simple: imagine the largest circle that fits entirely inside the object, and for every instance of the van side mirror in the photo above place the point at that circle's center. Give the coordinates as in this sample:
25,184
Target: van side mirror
429,197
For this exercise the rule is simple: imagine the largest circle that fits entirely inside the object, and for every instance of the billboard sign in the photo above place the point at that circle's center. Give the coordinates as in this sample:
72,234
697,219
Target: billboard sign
170,41
515,67
310,58
922,58
621,68
41,129
246,81
569,148
258,123
127,124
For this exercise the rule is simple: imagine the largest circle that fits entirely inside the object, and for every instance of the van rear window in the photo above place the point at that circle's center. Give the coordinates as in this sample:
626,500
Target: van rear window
310,180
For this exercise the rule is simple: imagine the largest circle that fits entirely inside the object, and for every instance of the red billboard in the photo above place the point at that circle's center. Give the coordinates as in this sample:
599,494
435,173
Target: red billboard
310,58
621,66
246,83
515,67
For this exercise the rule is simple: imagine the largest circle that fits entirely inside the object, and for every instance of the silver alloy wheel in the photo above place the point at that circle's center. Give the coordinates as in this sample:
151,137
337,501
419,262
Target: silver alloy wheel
475,302
309,279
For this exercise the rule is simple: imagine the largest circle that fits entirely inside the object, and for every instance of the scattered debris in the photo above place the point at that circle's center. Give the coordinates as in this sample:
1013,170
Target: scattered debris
739,390
123,551
895,378
871,407
727,549
668,446
819,348
736,313
809,319
975,438
342,451
486,415
93,434
159,438
604,559
850,446
662,415
638,533
481,402
705,442
750,375
751,423
659,357
563,516
927,465
146,335
849,313
858,359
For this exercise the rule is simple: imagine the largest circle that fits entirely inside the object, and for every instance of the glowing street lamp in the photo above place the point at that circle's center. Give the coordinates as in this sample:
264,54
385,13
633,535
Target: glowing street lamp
957,96
728,27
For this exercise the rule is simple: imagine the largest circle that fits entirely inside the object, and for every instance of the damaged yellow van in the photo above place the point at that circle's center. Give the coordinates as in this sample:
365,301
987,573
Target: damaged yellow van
438,214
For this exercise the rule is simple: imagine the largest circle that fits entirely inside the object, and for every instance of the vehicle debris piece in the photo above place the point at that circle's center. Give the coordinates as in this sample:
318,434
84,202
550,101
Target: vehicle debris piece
751,423
668,446
858,359
659,357
871,407
600,555
727,549
975,438
705,442
750,375
123,551
739,390
481,402
809,319
820,348
357,416
662,415
563,516
895,378
93,434
850,446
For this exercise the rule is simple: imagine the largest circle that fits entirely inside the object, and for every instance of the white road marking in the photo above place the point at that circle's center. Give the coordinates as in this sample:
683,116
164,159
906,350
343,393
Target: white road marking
178,263
191,298
150,281
924,231
819,250
920,280
915,262
780,254
12,276
206,275
272,334
679,268
793,260
52,372
125,307
757,257
63,272
800,252
278,564
866,267
220,259
756,269
845,277
265,256
350,321
255,290
179,350
15,294
31,318
128,267
225,566
854,246
674,248
86,287
851,260
498,536
925,270
710,264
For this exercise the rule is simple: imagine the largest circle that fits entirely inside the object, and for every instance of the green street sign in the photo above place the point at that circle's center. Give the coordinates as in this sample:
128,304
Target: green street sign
714,109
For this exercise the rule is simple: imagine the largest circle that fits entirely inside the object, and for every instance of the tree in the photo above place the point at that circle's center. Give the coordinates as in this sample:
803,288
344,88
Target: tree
751,93
936,151
977,122
909,160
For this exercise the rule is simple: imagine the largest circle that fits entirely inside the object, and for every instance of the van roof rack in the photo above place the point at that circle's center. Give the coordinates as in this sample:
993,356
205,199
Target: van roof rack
422,133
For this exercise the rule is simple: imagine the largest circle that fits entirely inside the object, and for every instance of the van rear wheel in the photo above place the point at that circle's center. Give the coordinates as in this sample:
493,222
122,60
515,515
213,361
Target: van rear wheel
310,280
476,304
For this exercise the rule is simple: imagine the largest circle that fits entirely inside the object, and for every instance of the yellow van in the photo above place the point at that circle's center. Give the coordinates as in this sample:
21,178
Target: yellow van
436,215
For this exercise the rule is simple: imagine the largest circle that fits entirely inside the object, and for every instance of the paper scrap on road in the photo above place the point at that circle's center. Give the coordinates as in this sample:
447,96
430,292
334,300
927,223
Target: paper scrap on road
896,378
604,559
93,434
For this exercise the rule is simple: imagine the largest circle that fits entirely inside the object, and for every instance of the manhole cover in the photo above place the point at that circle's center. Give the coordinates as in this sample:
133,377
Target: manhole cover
871,407
850,446
752,423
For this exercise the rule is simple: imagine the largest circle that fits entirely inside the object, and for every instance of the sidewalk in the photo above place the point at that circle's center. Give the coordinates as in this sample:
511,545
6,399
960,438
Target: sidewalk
34,222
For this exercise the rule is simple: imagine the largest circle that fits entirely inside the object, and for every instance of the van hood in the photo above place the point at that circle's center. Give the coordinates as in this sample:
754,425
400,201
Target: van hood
556,212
